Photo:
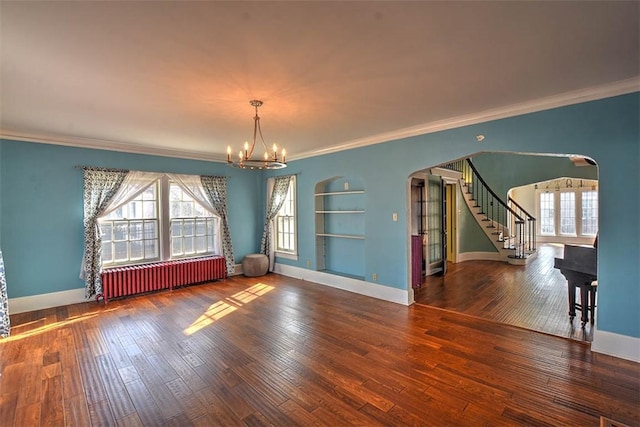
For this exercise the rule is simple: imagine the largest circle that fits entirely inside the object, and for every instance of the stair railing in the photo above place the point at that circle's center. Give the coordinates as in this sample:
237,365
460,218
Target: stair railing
530,227
496,212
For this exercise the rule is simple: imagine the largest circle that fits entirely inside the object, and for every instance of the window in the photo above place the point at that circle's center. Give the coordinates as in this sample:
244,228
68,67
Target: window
163,222
547,214
589,213
568,212
285,222
193,228
130,233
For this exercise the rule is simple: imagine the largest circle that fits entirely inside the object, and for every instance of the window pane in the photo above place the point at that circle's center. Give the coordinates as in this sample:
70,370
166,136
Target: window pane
135,230
176,228
149,209
201,244
106,231
547,213
201,227
150,230
107,253
188,227
589,213
175,193
176,246
149,193
121,252
120,231
136,250
186,210
151,249
567,213
187,245
199,210
175,209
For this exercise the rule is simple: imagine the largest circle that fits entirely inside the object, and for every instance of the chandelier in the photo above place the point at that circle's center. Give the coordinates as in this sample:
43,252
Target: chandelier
270,159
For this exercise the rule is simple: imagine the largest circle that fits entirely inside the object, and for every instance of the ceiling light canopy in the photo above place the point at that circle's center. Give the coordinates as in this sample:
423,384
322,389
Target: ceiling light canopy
270,159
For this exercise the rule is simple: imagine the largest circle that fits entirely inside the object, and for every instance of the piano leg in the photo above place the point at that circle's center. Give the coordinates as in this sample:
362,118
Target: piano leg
584,302
572,299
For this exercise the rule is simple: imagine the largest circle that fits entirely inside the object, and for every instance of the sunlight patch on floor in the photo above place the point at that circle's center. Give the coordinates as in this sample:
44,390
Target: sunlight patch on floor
230,304
45,328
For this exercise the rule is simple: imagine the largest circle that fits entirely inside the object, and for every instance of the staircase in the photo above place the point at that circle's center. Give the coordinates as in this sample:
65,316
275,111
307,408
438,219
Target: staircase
508,226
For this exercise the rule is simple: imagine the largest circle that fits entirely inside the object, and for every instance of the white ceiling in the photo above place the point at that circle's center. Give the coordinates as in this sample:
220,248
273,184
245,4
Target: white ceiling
175,78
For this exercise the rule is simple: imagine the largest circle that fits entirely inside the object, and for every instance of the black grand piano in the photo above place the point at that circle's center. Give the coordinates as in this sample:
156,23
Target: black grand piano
580,268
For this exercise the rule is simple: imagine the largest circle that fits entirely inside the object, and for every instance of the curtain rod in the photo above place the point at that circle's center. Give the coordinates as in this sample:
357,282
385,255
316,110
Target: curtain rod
100,168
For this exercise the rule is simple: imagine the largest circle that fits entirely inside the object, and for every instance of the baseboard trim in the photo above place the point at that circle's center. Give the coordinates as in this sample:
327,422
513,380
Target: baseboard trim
479,256
42,301
622,346
361,287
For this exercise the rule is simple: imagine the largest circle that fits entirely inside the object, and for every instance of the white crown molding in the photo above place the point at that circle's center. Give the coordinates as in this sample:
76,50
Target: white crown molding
101,144
593,93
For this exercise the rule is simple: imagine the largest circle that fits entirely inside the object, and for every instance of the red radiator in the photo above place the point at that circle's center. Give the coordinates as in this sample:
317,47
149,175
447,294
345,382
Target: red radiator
123,281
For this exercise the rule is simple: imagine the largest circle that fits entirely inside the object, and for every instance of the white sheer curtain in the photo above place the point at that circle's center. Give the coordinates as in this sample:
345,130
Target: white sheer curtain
192,185
134,183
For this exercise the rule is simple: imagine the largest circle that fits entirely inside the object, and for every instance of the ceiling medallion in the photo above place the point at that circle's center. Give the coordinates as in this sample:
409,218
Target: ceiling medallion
270,159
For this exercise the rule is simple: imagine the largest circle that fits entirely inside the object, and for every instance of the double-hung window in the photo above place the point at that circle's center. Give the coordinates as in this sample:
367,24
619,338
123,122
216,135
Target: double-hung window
285,223
130,234
568,212
194,230
163,222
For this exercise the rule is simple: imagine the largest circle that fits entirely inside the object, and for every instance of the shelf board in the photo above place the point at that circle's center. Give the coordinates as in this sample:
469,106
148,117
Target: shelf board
342,236
339,193
341,212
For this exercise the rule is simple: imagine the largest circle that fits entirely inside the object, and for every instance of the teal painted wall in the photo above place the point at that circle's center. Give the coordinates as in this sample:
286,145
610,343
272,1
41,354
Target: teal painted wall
503,171
42,209
471,237
605,130
39,181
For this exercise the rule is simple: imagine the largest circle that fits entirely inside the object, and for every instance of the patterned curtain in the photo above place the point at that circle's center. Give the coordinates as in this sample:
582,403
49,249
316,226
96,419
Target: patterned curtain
100,187
215,188
278,195
5,323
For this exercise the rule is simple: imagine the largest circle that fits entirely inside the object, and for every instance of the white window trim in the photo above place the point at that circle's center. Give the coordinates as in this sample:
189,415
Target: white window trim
577,237
274,236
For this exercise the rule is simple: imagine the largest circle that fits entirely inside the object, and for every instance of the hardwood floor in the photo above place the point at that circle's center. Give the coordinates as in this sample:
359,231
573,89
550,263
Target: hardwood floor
533,297
279,351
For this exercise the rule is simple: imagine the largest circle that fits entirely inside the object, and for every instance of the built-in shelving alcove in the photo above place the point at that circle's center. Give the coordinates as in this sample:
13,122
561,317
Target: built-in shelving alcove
340,230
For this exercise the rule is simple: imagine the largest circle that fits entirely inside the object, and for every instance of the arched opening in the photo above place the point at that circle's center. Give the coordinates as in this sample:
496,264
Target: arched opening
532,295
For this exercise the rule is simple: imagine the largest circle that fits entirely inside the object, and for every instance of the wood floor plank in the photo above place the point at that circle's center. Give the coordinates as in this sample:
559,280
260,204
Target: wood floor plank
76,411
147,410
532,297
306,354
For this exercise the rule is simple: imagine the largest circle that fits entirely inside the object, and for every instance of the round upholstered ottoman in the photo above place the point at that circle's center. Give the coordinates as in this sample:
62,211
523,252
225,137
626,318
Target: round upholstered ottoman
255,265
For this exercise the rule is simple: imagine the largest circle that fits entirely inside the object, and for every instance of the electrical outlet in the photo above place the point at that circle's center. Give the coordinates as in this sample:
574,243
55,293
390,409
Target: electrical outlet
394,216
374,276
346,186
308,263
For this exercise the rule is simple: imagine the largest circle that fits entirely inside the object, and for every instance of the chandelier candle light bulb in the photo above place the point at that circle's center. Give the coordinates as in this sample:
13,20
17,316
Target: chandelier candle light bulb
245,161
